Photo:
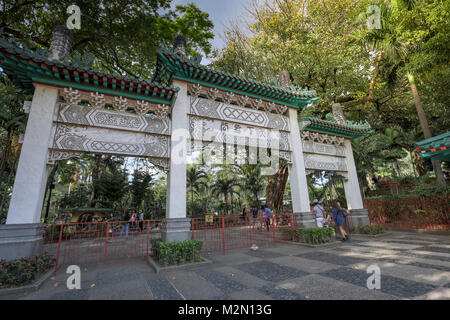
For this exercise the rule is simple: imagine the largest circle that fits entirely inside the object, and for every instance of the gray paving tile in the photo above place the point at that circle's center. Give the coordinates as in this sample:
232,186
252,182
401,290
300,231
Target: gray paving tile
436,249
225,283
264,254
243,277
317,287
162,289
192,286
309,266
280,293
270,271
390,285
249,294
116,275
427,256
330,258
82,294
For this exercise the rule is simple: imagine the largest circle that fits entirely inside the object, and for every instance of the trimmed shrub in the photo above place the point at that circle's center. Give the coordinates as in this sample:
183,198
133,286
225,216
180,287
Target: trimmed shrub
371,229
20,272
171,253
315,235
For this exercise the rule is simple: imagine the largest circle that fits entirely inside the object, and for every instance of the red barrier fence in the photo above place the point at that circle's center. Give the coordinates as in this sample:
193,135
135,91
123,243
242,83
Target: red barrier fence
87,244
421,213
235,232
92,243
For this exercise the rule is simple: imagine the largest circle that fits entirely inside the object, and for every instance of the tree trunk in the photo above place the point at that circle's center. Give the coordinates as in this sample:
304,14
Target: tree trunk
48,189
95,178
424,124
275,188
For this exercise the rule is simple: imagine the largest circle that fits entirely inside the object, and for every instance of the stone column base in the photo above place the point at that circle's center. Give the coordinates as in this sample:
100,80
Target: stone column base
176,229
20,240
305,220
359,218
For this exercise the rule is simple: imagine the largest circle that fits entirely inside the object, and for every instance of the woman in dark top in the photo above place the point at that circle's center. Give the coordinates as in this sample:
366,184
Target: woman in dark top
339,219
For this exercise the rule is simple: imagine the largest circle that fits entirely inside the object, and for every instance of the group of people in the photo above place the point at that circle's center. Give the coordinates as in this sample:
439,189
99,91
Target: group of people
264,212
339,214
129,220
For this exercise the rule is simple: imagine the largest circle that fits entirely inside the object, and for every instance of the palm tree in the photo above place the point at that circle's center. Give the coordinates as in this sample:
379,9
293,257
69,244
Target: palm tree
253,182
387,41
195,179
225,186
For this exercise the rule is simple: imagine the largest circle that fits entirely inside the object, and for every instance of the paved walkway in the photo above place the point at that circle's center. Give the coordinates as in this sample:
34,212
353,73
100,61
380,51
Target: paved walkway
413,266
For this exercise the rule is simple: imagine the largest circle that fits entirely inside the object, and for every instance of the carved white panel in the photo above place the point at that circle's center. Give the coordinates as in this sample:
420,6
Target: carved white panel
235,133
83,115
323,148
109,141
321,138
222,111
325,163
56,155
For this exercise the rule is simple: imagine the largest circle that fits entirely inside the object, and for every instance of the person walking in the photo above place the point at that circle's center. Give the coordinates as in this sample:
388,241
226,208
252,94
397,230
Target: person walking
339,214
254,212
133,220
268,216
126,223
318,212
141,221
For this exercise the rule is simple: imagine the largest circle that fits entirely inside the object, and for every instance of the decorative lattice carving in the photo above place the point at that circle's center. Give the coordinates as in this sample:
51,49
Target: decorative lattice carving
120,103
71,95
97,100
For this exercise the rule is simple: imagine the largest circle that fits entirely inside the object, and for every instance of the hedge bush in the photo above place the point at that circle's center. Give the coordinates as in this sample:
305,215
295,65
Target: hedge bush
20,272
371,229
315,235
170,253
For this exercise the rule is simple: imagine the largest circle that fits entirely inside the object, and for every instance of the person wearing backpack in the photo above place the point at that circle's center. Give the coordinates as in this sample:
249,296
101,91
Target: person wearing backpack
268,216
339,215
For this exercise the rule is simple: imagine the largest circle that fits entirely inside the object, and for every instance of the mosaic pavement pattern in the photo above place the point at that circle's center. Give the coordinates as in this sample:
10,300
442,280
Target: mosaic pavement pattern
413,266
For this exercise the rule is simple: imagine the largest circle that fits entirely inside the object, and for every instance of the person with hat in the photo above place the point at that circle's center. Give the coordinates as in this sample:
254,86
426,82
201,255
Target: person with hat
318,211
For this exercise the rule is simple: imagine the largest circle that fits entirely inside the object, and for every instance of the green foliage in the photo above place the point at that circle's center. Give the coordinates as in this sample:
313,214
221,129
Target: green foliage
433,189
138,187
371,229
20,272
170,253
315,235
122,35
78,197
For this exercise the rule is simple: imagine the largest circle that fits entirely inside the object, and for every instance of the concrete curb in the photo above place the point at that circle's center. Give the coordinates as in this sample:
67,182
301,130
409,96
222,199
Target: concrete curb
155,266
425,231
322,245
372,235
27,288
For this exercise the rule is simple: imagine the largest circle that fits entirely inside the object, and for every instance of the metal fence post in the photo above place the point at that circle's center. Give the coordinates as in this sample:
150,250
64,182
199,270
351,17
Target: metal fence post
106,243
148,236
223,233
59,246
273,229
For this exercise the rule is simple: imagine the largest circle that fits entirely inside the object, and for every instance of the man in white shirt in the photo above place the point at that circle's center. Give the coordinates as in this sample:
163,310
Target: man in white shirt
318,213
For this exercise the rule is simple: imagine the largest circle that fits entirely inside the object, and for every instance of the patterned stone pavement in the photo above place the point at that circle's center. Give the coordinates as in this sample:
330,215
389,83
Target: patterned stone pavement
413,266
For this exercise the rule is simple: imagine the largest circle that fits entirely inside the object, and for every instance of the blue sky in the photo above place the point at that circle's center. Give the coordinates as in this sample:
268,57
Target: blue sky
220,13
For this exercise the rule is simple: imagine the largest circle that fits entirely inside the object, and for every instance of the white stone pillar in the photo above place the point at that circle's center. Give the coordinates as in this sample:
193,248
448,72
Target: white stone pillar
177,226
31,176
297,175
359,215
21,236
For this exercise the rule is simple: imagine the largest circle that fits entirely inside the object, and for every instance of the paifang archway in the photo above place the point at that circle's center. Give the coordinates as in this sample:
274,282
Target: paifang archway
76,109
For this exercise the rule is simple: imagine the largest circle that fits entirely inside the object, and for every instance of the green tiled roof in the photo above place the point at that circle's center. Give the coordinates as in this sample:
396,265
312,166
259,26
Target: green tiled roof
437,147
350,130
25,66
171,65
